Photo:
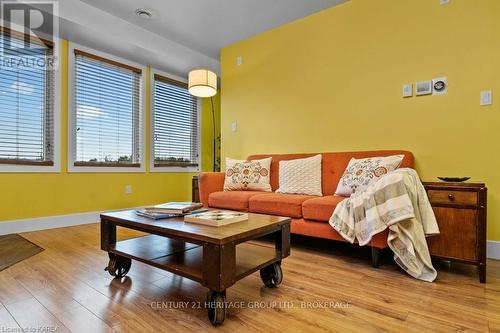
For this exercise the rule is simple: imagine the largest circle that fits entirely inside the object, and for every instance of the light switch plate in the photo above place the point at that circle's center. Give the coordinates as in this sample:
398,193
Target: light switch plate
128,189
239,60
486,98
444,2
407,90
234,127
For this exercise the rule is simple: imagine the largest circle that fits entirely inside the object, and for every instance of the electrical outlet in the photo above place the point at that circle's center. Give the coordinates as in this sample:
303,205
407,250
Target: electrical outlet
239,60
444,2
486,98
128,189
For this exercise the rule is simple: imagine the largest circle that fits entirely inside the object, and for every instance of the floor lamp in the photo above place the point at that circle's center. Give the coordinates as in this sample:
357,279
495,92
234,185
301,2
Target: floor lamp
203,84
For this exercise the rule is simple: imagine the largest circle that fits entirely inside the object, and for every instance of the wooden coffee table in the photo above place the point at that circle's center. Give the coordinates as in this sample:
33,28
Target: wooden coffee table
216,257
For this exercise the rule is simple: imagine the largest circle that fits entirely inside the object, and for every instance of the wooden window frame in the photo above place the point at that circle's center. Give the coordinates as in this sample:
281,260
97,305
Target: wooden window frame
170,168
31,166
98,167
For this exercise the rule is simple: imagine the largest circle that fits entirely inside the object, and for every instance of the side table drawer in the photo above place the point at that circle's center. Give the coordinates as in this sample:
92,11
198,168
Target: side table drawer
452,197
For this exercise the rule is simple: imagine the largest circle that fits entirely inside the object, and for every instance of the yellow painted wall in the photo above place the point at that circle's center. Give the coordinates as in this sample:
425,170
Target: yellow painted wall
36,195
333,82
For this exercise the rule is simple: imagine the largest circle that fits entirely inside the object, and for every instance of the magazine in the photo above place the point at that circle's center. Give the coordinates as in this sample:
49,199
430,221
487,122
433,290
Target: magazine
174,207
159,216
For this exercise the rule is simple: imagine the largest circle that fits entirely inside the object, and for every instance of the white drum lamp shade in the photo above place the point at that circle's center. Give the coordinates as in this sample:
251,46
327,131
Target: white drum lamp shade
202,83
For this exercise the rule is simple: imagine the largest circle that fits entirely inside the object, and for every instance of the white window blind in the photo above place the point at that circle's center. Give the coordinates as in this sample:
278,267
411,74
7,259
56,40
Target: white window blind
107,103
175,138
26,103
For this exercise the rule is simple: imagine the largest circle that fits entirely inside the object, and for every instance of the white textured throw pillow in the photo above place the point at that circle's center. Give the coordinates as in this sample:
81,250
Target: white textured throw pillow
301,176
242,175
362,172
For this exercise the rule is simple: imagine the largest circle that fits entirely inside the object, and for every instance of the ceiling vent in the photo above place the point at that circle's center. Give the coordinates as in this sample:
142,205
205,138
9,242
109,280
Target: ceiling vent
144,13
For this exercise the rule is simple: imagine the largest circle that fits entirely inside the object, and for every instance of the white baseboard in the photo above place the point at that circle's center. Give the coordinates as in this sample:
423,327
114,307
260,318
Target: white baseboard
493,250
50,222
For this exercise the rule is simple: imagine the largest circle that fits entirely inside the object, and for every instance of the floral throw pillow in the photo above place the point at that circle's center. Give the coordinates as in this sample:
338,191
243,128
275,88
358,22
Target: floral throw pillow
362,172
244,175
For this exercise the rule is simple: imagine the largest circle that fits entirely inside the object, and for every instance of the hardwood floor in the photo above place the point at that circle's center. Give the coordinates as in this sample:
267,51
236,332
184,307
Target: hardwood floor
332,288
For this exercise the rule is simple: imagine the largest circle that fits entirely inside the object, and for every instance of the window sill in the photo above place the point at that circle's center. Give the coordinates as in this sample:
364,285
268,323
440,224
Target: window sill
174,169
105,169
26,162
106,165
29,168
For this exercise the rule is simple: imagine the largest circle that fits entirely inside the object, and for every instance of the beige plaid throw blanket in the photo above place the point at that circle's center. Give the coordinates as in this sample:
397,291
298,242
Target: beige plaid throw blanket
397,201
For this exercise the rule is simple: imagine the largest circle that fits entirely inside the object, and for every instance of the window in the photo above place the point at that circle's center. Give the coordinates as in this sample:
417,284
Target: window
106,114
28,117
175,126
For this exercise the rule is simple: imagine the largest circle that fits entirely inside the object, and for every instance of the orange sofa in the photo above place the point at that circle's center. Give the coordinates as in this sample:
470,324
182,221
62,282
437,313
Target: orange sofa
310,214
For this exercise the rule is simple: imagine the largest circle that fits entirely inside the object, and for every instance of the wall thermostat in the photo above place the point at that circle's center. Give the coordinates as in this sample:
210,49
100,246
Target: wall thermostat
439,86
423,88
407,90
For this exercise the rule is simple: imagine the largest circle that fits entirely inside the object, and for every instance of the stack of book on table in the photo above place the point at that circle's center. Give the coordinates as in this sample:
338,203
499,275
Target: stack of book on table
170,209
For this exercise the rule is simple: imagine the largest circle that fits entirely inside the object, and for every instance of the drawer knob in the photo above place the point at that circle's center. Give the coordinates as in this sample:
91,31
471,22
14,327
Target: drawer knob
451,197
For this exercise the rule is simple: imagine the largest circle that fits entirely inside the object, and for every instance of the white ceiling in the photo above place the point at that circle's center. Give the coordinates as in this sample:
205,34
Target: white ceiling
208,25
83,24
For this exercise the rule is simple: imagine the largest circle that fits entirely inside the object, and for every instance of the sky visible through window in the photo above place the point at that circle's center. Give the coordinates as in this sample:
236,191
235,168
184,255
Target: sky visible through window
175,123
107,112
22,99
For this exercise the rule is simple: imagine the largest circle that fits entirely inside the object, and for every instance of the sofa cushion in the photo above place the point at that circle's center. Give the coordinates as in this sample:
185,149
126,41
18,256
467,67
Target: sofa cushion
320,209
289,205
234,200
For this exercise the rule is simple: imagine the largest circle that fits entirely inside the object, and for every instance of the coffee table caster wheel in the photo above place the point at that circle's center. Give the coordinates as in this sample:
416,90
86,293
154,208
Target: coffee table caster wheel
118,266
216,307
272,275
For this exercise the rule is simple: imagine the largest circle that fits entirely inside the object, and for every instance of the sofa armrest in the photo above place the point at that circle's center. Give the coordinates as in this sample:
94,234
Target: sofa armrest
209,182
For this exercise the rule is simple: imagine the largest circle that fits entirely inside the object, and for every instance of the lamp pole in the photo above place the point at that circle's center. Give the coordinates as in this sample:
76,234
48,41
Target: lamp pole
214,143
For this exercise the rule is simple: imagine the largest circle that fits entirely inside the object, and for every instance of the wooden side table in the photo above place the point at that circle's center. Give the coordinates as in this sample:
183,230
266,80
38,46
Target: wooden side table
195,192
460,210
